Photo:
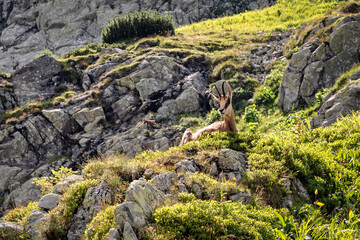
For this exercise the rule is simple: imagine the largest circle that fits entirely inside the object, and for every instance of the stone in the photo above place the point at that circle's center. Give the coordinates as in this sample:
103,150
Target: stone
22,196
128,232
300,59
186,166
187,102
316,66
61,121
49,201
242,197
10,230
124,106
231,160
130,212
87,116
94,200
310,83
196,189
288,202
7,175
32,83
355,76
146,195
301,191
114,234
38,224
338,105
289,90
62,186
164,181
214,169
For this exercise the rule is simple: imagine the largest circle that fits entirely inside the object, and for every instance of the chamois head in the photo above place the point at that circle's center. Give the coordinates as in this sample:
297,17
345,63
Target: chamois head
224,100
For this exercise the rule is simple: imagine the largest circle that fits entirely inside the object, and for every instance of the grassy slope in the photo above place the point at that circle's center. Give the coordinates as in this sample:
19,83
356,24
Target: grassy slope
325,159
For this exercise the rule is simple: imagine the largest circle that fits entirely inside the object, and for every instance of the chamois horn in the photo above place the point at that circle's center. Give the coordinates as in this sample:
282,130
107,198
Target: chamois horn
223,89
217,90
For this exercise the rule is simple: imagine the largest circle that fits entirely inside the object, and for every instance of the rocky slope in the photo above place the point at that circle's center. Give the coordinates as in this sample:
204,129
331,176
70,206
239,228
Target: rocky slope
63,112
29,27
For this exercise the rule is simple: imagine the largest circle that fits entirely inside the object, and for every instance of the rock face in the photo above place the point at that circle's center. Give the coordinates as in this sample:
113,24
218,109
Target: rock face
29,27
338,105
37,80
315,66
88,125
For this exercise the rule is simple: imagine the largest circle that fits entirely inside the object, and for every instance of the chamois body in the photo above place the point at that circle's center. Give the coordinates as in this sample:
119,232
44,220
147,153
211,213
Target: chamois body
226,125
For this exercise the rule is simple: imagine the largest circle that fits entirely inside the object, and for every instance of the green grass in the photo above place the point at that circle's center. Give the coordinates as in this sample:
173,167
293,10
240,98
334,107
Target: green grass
199,219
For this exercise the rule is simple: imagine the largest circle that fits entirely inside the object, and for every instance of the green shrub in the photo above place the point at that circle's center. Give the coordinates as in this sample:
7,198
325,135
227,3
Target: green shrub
90,48
213,220
47,183
186,197
47,52
4,75
213,116
212,188
251,114
138,24
73,197
264,96
100,225
21,214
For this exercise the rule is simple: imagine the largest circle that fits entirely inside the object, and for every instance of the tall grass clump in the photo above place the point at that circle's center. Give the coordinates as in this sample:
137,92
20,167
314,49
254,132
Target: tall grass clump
137,24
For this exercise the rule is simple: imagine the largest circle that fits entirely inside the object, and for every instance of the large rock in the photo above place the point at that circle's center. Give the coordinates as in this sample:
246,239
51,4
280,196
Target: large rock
49,201
164,181
338,105
38,224
130,212
146,195
7,176
316,66
37,80
10,230
63,186
28,27
232,164
23,195
93,202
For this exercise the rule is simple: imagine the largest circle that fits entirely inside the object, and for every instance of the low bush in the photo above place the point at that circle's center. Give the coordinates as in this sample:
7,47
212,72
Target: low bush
212,188
137,24
21,214
100,225
214,220
47,183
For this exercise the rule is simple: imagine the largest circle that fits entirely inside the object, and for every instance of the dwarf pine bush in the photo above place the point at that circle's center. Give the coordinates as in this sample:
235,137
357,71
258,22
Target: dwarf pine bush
137,24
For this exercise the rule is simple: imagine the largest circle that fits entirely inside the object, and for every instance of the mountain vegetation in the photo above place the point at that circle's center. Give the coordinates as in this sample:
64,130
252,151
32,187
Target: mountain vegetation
277,178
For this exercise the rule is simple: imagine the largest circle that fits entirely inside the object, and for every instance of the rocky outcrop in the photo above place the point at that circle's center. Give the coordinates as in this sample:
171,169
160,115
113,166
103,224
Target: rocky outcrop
37,80
141,199
231,164
335,106
90,124
10,230
316,65
29,27
95,199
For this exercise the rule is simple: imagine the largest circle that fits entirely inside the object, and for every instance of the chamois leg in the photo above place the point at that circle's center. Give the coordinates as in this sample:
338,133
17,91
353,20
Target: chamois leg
186,137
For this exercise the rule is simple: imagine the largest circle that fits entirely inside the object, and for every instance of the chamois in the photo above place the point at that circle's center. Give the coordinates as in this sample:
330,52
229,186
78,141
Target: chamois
225,107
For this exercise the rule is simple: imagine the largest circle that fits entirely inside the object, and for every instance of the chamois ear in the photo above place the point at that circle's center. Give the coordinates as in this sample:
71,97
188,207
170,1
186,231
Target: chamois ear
229,92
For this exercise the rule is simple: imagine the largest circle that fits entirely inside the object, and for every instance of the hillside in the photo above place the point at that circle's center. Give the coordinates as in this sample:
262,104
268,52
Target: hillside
29,27
89,143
